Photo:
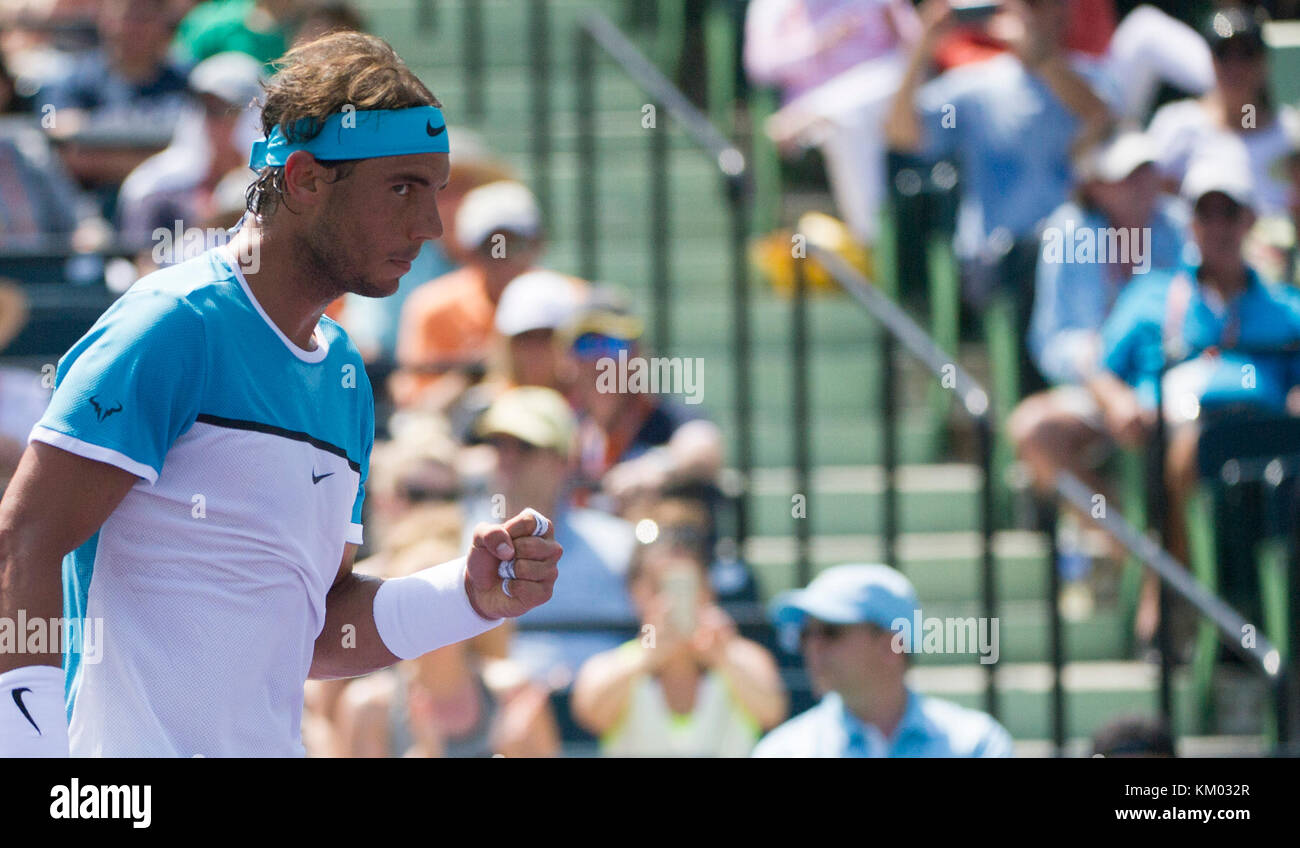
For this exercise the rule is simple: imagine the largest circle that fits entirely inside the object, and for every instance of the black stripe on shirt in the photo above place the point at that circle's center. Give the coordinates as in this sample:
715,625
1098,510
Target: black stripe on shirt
272,430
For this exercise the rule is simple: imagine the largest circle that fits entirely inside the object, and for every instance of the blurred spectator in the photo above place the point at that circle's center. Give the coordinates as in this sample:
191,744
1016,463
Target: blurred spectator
11,101
844,619
690,686
373,322
38,198
452,702
634,443
323,18
981,115
682,522
446,333
1119,205
38,38
1239,107
1272,246
1149,48
260,28
532,308
178,187
320,713
23,393
127,89
838,63
531,430
1133,736
1213,325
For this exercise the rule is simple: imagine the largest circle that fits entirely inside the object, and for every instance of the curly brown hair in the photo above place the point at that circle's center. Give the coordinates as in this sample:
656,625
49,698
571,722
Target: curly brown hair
316,80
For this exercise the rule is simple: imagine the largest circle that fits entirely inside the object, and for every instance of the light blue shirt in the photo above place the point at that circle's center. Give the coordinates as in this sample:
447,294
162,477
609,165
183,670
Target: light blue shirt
1073,298
1263,316
930,727
1011,137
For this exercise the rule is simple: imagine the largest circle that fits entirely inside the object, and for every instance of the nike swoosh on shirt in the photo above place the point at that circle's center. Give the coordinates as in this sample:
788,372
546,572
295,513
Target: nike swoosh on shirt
17,693
315,479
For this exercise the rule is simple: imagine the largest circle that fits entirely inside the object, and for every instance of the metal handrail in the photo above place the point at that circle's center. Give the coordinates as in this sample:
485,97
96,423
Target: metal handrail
1067,488
729,159
1266,657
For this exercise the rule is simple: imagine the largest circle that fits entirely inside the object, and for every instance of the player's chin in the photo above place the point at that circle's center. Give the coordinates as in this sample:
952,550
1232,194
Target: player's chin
382,283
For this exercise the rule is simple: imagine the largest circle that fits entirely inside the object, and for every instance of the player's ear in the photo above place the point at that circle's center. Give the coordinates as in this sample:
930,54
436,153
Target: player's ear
304,177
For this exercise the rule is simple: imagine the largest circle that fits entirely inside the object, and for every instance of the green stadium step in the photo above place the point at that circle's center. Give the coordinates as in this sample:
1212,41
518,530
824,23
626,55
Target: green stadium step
851,440
857,512
507,37
942,566
1097,692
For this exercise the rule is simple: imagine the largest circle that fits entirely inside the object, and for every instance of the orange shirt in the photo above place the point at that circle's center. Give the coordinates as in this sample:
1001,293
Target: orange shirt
445,322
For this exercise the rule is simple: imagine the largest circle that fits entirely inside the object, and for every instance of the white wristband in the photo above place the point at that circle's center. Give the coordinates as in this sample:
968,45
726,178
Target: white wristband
33,718
427,610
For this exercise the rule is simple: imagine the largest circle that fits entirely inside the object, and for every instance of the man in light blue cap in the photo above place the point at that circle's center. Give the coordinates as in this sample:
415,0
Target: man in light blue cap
844,619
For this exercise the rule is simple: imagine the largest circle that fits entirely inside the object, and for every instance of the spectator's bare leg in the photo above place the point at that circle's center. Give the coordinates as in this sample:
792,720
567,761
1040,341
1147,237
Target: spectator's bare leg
1049,438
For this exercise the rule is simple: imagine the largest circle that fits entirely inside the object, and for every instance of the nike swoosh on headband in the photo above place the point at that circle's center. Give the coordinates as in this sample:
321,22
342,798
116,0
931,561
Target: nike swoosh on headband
360,134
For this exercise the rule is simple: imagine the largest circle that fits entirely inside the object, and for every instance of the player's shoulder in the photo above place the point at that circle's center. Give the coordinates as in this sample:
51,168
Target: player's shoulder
177,298
341,344
203,283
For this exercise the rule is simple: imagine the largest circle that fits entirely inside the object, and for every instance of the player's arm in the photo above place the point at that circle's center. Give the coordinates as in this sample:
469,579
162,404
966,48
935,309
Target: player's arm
54,503
372,623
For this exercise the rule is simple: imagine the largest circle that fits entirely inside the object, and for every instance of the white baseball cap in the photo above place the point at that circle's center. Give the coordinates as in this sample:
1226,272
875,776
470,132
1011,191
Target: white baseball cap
231,76
502,205
538,300
1222,169
1118,157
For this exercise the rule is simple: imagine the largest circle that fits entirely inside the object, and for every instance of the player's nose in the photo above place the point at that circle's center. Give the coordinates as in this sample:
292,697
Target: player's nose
428,224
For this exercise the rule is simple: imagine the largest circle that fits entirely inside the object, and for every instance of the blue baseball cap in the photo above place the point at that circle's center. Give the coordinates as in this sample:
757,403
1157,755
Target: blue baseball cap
849,594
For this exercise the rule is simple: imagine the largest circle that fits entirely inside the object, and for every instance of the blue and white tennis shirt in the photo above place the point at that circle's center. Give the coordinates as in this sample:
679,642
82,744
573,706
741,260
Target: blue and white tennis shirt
210,577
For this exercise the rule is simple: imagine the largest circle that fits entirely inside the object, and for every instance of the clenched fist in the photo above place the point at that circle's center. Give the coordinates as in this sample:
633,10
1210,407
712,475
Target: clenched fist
536,558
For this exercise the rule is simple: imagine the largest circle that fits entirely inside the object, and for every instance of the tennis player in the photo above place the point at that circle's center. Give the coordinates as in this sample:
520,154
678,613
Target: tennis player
201,467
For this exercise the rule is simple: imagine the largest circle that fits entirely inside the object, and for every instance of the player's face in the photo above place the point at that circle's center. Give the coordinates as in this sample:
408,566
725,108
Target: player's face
377,217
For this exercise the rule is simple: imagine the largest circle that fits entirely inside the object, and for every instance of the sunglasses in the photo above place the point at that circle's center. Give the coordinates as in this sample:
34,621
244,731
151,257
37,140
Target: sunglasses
822,632
597,346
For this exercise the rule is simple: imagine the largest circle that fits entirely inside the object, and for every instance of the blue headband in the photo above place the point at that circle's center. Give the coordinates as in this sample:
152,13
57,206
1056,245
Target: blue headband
354,134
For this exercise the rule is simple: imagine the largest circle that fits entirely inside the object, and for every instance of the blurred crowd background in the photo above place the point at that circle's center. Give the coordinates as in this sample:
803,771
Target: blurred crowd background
1027,133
